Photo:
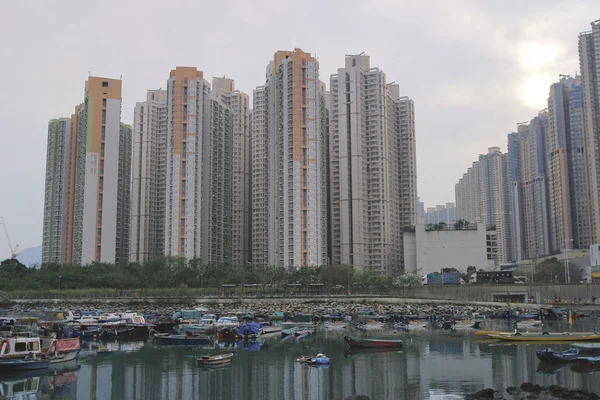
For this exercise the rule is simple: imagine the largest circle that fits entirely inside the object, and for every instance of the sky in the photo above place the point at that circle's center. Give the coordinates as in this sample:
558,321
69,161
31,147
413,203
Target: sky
475,68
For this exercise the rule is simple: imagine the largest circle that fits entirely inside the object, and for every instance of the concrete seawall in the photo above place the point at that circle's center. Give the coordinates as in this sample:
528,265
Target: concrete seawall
461,294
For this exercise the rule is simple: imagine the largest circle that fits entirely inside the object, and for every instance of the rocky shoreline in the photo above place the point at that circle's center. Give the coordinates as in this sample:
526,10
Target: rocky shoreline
533,391
268,307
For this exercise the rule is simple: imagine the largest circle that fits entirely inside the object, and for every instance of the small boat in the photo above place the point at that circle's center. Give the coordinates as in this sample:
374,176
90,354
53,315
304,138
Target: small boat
271,329
332,325
24,364
61,350
219,359
227,322
188,340
549,355
359,342
303,331
587,347
547,337
319,359
289,331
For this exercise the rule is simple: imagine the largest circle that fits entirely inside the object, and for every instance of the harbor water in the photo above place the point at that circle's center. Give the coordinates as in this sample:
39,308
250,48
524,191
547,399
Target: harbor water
432,364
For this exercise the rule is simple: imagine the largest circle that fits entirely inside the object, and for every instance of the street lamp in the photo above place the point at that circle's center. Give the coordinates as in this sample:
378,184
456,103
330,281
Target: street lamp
60,276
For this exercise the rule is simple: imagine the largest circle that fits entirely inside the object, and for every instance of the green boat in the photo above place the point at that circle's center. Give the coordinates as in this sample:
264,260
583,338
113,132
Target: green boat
289,331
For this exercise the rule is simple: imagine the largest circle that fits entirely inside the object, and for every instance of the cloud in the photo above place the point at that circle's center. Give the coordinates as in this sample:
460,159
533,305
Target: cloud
473,67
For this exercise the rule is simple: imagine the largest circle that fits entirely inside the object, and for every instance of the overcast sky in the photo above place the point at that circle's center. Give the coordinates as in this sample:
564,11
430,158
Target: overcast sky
474,68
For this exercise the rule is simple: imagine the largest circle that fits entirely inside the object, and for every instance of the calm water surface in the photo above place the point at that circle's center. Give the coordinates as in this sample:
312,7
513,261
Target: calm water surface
432,365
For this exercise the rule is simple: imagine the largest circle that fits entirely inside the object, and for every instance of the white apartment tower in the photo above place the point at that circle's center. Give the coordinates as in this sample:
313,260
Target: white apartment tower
483,196
589,62
289,195
149,177
529,188
223,89
88,169
372,168
197,169
56,197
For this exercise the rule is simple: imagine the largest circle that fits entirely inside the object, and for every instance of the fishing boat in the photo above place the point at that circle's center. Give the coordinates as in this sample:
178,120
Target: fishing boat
587,347
549,355
19,347
187,340
23,364
289,331
60,350
219,359
547,337
360,342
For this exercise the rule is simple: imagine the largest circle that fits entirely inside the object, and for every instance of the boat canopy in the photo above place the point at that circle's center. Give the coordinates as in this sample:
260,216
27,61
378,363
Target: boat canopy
187,314
252,328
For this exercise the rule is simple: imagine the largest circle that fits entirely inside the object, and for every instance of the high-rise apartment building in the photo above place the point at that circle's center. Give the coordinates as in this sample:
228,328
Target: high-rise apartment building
223,89
373,168
482,196
589,62
149,177
95,199
198,169
568,189
56,197
289,203
529,195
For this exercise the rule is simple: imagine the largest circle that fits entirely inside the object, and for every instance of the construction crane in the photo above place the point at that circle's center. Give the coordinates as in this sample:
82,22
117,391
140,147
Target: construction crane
14,251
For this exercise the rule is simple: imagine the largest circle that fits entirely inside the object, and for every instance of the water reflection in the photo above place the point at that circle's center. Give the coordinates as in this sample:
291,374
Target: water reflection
431,365
58,382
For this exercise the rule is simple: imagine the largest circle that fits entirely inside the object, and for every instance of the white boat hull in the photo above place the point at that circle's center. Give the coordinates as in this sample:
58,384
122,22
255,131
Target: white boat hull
64,357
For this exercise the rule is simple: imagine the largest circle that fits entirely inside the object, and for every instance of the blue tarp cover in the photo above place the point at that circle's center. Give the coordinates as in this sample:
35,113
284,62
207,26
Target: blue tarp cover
252,327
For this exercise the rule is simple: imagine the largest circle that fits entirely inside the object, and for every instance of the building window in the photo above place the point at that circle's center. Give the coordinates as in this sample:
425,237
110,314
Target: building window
104,84
104,103
104,116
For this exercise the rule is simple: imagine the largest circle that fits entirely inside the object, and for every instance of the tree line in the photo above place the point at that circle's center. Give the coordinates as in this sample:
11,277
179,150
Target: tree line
166,272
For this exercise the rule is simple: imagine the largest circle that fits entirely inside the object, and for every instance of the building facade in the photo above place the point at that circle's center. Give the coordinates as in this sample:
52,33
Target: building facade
482,196
95,162
445,213
589,62
568,188
289,203
529,196
56,196
428,249
149,177
372,167
198,170
223,90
